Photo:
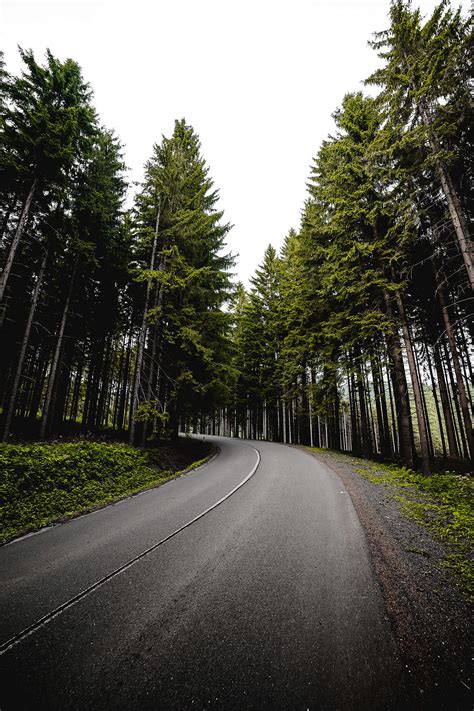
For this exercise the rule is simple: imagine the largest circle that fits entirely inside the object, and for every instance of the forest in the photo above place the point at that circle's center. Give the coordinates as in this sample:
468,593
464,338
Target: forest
125,320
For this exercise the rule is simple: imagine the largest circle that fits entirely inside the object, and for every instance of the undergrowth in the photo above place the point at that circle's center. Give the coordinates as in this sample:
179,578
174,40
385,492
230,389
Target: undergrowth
43,482
441,502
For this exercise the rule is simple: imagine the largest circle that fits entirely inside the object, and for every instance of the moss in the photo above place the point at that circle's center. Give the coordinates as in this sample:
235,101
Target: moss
41,483
441,502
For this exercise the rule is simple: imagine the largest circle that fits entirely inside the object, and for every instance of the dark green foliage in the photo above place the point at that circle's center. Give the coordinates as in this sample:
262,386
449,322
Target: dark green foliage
75,321
356,336
442,503
186,362
372,314
41,482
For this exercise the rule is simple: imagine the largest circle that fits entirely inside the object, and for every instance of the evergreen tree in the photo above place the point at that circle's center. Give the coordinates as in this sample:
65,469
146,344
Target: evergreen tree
425,82
185,328
45,124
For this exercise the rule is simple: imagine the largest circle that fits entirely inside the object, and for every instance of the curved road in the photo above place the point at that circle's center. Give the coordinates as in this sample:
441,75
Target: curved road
268,601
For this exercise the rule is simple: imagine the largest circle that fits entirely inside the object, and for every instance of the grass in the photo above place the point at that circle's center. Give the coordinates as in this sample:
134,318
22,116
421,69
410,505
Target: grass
44,482
441,502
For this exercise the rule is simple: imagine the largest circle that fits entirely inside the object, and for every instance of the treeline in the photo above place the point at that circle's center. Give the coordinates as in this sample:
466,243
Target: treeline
111,318
359,335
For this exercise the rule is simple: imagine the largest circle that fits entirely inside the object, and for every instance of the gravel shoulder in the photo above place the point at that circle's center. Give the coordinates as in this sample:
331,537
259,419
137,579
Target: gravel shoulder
428,610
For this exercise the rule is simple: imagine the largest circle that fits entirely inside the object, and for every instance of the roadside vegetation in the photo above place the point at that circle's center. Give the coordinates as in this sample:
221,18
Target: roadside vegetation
442,502
44,482
356,335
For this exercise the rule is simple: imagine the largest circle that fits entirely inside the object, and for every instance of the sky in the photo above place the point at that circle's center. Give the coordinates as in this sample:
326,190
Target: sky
258,80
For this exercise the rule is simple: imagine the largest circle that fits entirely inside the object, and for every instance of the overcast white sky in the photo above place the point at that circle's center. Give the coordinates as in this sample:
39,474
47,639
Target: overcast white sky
257,80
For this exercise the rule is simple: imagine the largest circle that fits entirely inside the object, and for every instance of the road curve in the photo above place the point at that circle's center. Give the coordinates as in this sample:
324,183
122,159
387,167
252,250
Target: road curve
268,601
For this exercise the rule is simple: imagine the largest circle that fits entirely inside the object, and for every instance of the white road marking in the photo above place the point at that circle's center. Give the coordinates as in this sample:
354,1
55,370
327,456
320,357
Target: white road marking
20,636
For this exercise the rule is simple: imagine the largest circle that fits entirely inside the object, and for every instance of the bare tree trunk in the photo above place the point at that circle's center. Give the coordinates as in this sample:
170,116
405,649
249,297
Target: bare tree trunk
77,387
16,241
364,420
420,415
423,402
466,365
393,430
400,392
24,345
122,395
454,405
381,410
141,339
465,358
100,413
370,412
356,440
39,384
454,204
458,220
461,390
6,217
438,411
57,353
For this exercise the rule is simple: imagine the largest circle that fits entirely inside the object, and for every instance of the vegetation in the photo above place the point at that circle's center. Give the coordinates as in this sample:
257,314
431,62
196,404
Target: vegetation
356,336
441,502
43,482
110,318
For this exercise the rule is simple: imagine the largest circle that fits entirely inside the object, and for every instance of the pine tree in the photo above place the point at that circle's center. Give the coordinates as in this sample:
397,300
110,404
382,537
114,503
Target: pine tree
45,124
425,84
188,277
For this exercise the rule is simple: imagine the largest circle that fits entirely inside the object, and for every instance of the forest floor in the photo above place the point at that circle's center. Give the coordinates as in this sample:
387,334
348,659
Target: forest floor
50,482
419,533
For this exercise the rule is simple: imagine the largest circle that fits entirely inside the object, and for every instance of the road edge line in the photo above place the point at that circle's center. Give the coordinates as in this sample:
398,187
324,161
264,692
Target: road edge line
20,636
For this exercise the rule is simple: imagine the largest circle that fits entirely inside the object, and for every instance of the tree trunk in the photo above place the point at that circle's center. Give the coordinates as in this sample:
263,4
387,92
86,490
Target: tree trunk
76,392
6,218
103,384
454,405
24,345
400,393
423,401
438,411
124,385
57,353
461,390
452,198
15,242
355,429
381,410
364,422
141,338
393,429
420,416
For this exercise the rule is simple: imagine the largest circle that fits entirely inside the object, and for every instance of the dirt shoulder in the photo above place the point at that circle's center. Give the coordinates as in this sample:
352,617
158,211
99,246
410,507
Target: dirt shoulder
428,609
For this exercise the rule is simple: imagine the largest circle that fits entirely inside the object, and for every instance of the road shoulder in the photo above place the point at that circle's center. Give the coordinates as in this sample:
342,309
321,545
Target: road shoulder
428,611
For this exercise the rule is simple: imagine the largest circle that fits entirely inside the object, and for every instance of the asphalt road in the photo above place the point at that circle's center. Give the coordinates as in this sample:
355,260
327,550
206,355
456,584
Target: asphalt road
268,601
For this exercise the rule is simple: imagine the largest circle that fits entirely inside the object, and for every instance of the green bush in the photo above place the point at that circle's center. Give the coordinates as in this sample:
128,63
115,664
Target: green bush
42,482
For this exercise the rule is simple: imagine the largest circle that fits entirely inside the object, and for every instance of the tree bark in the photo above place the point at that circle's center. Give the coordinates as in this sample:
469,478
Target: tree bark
381,410
15,242
57,353
420,415
438,411
400,393
141,338
454,204
364,420
24,345
461,390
